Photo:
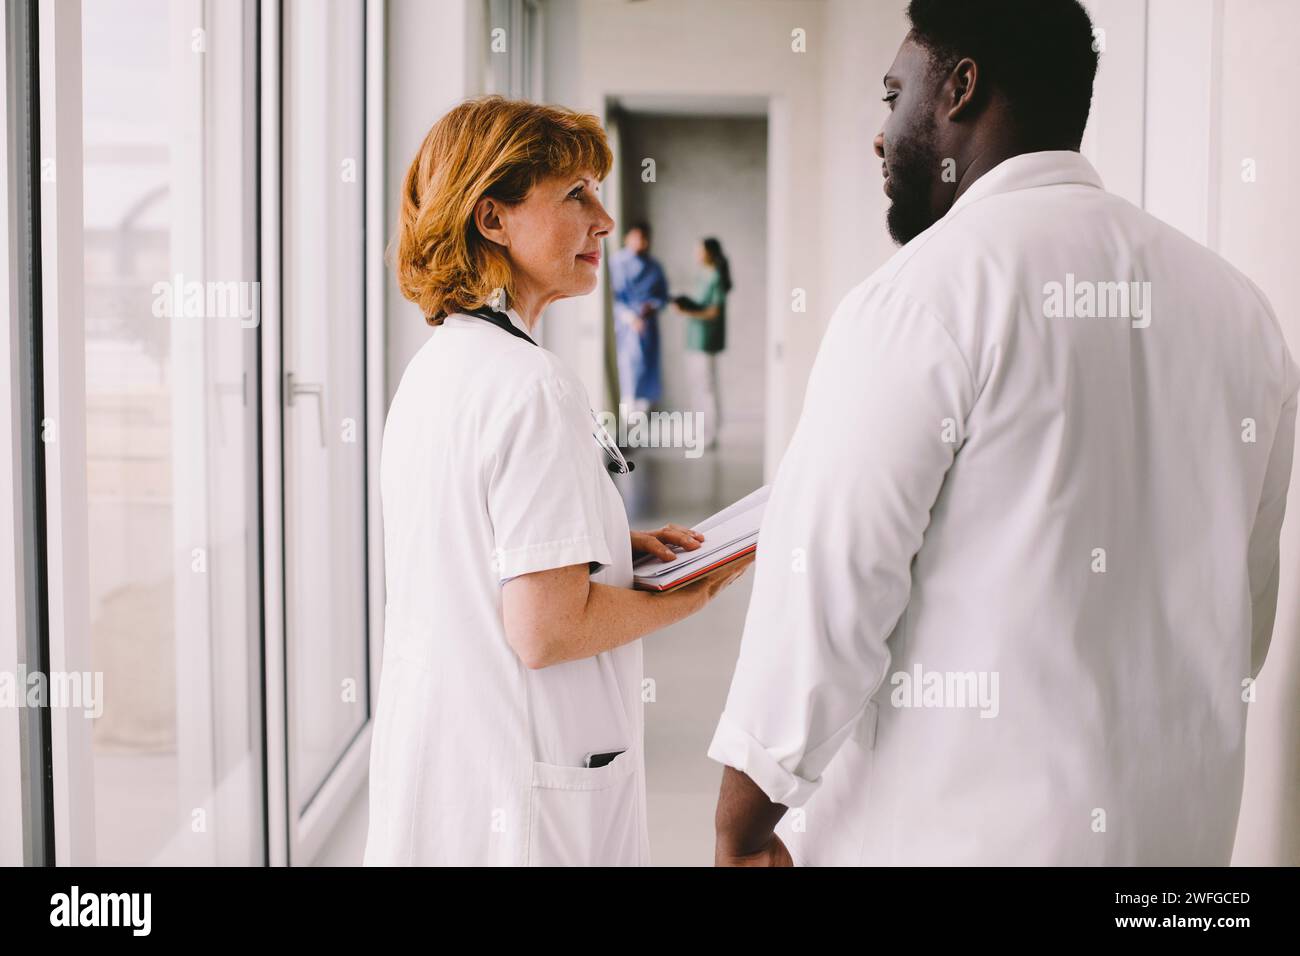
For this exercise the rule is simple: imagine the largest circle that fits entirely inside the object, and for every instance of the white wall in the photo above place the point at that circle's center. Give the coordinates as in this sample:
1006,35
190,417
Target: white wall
434,60
1114,141
1255,228
862,39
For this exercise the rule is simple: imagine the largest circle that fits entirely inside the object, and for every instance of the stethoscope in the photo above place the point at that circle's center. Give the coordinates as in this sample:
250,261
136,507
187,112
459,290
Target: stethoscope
616,463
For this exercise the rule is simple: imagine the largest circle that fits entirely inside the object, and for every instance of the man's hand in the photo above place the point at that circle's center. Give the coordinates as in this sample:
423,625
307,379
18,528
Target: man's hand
744,822
773,853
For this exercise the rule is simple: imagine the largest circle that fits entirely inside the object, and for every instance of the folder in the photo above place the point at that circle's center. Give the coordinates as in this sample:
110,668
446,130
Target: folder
730,534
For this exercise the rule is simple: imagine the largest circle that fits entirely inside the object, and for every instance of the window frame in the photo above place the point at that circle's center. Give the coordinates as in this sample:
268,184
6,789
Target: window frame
63,359
26,797
294,839
65,516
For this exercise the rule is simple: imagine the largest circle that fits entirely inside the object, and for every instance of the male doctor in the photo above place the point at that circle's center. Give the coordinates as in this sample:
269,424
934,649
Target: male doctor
1019,566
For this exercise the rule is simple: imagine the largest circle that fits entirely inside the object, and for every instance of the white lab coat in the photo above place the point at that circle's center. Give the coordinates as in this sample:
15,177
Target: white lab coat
489,470
1082,509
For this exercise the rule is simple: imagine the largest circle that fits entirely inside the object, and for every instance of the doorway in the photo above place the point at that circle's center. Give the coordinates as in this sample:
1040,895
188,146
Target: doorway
692,170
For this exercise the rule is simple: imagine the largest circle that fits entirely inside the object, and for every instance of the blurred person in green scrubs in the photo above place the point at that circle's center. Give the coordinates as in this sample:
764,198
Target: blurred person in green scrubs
706,334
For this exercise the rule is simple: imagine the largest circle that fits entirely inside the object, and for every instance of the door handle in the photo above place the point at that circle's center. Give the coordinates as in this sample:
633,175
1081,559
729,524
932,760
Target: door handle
293,389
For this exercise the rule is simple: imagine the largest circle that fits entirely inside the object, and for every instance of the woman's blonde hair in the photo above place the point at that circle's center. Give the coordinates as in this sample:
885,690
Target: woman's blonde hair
489,146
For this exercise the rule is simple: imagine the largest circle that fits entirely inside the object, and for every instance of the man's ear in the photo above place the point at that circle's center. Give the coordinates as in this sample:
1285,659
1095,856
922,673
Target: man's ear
961,88
488,219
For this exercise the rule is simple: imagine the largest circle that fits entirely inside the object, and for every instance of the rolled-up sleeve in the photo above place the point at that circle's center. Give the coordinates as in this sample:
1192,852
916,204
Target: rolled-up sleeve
884,415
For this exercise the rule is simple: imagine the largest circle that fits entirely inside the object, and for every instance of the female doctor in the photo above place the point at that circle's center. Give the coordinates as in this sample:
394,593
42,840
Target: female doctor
510,720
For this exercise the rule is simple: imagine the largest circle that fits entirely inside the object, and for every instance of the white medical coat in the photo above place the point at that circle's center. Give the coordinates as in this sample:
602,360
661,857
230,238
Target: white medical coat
489,470
985,485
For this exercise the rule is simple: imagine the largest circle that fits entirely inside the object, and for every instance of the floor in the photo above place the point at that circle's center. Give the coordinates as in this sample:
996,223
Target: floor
690,662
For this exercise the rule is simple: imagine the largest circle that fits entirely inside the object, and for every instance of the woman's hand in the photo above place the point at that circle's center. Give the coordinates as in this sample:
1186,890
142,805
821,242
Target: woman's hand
562,615
657,542
701,592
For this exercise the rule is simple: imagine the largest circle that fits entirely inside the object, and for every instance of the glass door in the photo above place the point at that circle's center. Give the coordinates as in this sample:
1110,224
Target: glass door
171,312
324,398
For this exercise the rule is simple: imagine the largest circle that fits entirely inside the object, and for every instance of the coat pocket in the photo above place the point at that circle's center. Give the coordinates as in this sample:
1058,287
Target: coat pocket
580,816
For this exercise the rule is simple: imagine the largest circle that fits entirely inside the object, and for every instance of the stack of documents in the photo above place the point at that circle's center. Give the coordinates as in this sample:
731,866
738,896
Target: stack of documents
728,535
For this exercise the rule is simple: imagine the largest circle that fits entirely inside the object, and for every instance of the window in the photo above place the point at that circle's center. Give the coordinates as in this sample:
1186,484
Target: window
171,399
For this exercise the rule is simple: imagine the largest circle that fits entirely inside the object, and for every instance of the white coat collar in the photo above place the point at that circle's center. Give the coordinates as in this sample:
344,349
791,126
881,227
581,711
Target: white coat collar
515,319
1046,168
518,322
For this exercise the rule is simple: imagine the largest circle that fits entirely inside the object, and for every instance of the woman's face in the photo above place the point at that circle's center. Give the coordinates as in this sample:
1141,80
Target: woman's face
553,238
701,255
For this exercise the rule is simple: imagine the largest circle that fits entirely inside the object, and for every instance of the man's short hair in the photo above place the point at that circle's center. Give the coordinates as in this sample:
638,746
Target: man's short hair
1039,53
640,226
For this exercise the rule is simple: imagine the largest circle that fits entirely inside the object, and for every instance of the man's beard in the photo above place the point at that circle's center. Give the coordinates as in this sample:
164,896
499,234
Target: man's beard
913,164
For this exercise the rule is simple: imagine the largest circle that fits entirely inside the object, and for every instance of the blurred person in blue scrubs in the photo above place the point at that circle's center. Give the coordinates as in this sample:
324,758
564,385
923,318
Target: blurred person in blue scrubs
640,291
